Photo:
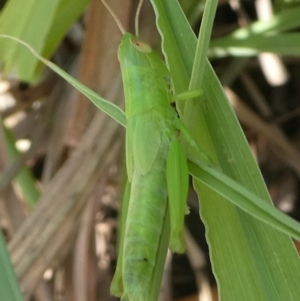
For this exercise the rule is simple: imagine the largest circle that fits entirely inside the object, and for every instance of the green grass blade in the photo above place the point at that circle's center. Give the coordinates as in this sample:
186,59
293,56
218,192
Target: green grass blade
282,44
244,199
9,287
262,36
202,44
107,107
285,20
24,178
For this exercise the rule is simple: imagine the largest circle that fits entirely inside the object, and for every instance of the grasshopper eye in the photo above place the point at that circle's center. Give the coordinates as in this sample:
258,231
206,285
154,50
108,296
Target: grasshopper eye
141,46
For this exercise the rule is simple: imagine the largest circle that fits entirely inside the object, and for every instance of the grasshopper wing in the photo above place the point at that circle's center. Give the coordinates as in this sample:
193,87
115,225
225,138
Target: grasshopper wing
146,142
130,125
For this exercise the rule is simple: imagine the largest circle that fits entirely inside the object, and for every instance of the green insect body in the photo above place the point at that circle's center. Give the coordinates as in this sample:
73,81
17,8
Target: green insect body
151,132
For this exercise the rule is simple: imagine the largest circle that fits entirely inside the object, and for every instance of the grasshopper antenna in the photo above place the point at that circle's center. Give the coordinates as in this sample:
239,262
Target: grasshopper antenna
137,15
119,24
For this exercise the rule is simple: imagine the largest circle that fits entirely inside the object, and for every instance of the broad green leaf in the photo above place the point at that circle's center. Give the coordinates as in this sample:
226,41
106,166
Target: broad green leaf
40,23
31,23
66,14
251,261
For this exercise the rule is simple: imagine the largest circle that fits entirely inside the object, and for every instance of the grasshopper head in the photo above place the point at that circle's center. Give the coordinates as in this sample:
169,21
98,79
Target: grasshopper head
131,45
140,45
133,51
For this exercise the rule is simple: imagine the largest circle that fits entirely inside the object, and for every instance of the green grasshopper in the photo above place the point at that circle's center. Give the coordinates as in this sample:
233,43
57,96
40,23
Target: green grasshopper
156,166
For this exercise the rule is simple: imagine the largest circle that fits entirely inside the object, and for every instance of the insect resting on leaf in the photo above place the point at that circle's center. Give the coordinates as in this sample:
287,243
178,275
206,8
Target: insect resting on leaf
156,166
